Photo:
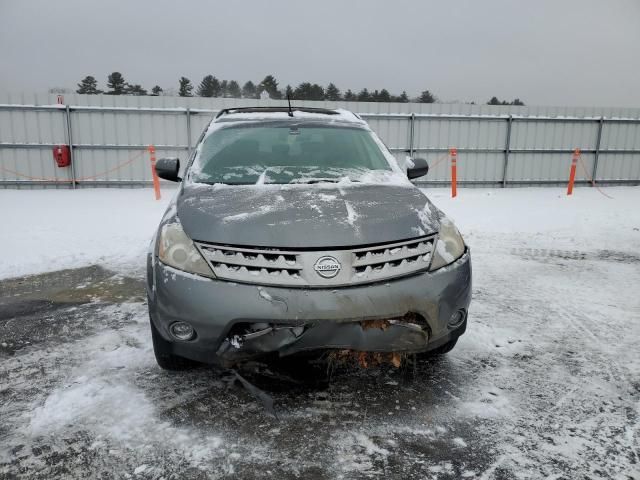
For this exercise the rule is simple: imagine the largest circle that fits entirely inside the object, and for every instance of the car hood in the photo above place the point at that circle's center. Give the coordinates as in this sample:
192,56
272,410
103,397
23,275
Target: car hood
305,216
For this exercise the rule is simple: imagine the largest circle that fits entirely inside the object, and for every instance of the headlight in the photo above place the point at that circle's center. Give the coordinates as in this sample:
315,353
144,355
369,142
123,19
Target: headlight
449,246
178,251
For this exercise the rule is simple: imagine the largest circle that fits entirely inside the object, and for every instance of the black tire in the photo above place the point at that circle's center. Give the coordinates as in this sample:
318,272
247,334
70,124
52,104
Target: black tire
442,349
165,359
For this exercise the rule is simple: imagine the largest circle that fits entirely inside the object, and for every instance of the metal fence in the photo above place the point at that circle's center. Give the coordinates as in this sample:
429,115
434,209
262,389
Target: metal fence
108,137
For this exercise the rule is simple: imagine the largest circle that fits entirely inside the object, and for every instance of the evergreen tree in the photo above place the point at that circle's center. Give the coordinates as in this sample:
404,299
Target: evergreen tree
217,87
426,97
317,92
136,89
308,91
269,85
288,92
88,86
402,98
116,83
332,93
185,88
224,88
364,95
384,96
249,90
303,91
496,101
209,87
233,89
349,96
156,91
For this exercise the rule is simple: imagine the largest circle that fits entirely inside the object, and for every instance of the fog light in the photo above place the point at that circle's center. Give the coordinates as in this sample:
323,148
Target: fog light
457,318
182,331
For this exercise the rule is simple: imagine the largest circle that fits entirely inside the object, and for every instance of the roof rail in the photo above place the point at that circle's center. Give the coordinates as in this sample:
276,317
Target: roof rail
321,111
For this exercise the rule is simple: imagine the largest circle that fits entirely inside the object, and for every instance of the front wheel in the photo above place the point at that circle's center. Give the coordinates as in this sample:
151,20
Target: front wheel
165,359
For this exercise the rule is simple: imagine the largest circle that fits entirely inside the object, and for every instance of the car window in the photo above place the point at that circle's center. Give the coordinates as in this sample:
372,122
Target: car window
285,153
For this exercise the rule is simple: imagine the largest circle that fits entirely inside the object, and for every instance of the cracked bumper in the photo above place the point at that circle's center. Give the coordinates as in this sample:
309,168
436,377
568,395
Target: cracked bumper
330,317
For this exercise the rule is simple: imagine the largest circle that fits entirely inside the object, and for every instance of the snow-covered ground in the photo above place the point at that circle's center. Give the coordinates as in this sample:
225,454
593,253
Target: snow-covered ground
46,230
544,384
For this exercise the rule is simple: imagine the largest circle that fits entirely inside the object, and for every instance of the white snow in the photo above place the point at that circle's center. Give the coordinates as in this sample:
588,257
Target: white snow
261,210
326,197
100,394
352,216
45,230
262,178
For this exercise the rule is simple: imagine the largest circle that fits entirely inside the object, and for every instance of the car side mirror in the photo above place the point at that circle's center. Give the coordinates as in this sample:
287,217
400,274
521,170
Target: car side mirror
419,168
168,169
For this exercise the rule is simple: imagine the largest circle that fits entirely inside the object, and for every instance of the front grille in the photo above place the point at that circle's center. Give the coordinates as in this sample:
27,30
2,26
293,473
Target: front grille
387,260
311,268
254,265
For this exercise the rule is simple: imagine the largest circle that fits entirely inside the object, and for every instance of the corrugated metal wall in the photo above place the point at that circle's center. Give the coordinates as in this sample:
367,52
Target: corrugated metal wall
535,143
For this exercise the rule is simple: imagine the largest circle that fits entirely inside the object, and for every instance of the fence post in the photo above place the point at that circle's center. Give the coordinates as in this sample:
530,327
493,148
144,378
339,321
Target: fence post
507,147
412,120
189,132
70,139
596,154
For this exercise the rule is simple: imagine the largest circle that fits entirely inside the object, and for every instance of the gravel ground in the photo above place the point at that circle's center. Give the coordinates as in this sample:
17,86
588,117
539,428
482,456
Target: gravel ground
544,384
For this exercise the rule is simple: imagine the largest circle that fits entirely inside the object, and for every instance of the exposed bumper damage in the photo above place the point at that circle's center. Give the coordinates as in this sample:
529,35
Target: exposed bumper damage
394,335
235,322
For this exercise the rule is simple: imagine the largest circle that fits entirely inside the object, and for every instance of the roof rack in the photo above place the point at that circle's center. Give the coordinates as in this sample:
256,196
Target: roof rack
322,111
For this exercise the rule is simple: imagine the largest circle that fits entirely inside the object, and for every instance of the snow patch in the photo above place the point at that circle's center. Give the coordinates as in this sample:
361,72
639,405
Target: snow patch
352,216
99,395
262,210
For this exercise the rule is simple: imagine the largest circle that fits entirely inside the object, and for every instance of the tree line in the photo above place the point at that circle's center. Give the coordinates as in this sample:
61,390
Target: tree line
210,86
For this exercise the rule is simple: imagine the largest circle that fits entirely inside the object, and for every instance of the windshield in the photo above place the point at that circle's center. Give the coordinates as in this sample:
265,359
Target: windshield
248,154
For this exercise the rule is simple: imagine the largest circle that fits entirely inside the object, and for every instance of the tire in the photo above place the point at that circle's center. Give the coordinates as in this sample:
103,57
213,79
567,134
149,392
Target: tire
442,349
165,359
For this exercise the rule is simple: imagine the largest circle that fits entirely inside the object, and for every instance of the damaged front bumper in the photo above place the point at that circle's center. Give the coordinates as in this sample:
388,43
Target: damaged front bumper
234,322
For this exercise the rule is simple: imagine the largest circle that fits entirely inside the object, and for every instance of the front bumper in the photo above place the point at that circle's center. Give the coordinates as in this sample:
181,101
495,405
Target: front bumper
308,319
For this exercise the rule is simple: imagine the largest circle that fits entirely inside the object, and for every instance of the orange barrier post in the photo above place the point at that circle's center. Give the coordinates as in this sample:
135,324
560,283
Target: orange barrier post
154,175
572,172
453,152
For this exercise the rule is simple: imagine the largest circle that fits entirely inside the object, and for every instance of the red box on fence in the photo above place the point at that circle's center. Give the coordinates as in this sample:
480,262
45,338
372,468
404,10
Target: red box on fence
62,155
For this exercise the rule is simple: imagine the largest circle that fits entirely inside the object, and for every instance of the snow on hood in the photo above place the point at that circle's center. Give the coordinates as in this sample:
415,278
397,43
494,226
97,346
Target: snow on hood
305,216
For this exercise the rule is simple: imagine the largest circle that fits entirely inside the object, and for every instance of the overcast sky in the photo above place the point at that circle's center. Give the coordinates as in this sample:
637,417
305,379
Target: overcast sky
546,52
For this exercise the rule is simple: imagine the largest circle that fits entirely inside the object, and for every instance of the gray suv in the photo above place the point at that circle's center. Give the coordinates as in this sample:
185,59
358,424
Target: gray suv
295,230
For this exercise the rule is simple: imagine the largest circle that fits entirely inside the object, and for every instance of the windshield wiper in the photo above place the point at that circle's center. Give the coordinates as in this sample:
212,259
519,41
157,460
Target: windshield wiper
315,180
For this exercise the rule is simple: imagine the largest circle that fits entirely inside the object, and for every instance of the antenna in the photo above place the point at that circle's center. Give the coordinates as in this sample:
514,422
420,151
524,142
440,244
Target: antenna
290,110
